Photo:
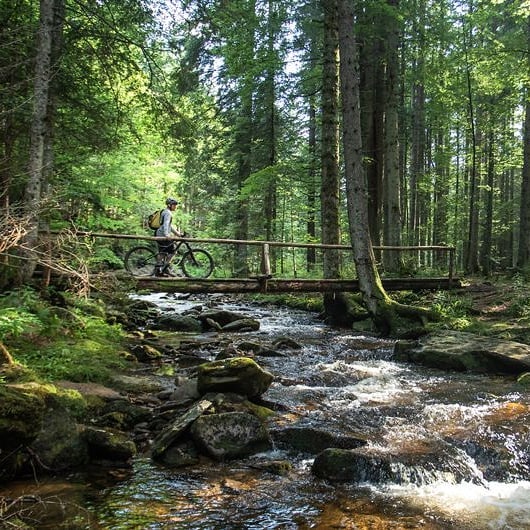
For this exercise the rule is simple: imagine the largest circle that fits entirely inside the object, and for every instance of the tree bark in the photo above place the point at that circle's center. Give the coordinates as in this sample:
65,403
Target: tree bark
356,188
329,192
391,180
523,255
330,185
34,185
311,189
382,309
270,208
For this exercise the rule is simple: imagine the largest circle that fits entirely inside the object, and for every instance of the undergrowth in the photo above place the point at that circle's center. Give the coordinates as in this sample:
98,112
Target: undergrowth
59,337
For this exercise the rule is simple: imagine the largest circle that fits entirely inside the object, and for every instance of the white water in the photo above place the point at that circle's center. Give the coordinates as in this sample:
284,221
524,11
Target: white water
346,382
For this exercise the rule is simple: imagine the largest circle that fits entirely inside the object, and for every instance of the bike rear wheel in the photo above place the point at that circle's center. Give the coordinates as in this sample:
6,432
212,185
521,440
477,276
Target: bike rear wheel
197,263
140,261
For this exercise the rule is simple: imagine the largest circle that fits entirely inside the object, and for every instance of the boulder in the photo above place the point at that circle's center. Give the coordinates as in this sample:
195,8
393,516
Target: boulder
173,432
254,348
286,343
180,455
419,468
240,375
59,444
178,323
146,353
461,351
221,316
108,445
313,441
230,435
21,419
243,324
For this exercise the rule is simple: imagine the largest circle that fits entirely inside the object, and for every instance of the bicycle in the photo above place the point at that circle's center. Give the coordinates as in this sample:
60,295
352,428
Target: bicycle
194,262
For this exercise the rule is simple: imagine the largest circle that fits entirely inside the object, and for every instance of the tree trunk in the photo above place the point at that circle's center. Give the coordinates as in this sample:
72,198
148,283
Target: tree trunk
311,189
392,180
270,208
356,188
487,241
329,192
372,93
330,185
523,256
472,265
243,146
382,309
34,185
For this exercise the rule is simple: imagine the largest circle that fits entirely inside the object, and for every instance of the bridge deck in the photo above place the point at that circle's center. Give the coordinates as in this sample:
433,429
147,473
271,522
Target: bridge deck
273,285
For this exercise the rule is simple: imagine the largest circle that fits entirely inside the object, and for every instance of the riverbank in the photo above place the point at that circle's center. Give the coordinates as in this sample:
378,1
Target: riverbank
147,384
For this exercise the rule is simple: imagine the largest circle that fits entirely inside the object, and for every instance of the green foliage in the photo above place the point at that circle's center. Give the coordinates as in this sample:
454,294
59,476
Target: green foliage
519,304
13,322
454,310
60,342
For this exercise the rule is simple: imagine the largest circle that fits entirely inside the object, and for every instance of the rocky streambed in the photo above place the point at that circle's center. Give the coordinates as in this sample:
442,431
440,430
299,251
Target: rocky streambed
235,414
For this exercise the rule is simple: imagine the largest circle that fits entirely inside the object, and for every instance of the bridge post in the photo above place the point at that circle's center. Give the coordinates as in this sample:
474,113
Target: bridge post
451,265
265,260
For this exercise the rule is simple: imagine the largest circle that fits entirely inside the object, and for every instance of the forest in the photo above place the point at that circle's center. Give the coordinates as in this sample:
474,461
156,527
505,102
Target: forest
355,141
235,108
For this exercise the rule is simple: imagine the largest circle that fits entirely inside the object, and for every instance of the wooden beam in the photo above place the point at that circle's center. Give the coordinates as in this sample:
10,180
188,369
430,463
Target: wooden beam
242,285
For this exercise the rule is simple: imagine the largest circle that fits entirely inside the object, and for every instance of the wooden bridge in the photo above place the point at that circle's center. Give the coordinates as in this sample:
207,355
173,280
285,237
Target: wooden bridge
264,280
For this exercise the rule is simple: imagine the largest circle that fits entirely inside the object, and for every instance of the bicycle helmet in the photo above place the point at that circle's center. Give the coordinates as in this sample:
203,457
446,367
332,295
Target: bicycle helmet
171,201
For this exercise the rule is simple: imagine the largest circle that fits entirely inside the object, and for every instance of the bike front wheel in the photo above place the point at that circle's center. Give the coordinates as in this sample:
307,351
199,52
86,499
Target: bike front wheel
140,261
197,263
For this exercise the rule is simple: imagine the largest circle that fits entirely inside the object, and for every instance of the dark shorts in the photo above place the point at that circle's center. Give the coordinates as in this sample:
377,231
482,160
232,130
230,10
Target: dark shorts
166,247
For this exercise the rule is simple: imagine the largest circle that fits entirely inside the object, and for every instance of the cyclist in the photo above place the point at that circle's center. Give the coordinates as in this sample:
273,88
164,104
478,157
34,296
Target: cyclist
166,249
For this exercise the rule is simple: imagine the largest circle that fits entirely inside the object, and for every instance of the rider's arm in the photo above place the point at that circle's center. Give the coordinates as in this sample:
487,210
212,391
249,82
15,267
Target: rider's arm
175,232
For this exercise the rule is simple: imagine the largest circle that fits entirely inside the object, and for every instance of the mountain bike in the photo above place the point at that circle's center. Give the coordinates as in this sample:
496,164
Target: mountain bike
194,262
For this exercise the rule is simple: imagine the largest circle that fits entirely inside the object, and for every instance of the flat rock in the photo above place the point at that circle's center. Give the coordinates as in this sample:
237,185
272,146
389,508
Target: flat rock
461,351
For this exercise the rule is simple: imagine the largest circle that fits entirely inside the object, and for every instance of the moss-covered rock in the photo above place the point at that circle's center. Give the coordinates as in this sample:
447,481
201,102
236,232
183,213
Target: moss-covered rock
240,375
454,350
230,435
108,445
58,444
21,416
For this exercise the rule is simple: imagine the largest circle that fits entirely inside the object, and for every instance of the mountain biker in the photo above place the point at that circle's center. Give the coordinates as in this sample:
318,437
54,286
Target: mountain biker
166,249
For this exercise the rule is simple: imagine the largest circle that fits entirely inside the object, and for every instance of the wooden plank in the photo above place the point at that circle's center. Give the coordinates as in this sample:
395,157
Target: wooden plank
242,285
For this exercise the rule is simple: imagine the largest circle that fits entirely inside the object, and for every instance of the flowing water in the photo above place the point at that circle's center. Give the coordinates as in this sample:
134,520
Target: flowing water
346,384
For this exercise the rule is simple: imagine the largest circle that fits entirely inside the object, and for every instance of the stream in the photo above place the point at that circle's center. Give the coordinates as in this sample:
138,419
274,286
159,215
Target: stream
347,384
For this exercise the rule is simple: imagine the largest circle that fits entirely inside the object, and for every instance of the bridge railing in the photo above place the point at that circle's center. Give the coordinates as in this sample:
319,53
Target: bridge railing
265,266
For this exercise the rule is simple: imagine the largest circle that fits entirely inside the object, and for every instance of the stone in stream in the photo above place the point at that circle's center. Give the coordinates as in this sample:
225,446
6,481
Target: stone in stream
313,441
239,375
461,351
224,320
243,324
417,467
178,323
230,435
108,445
175,430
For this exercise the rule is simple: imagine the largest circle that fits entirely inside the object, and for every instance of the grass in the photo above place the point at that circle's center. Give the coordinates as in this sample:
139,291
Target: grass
50,342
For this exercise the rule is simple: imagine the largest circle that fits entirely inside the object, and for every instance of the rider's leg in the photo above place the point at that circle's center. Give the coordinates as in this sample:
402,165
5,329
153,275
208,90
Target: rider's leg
170,249
162,258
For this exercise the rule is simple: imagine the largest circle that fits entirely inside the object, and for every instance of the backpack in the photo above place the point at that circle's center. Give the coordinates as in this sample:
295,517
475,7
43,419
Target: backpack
154,220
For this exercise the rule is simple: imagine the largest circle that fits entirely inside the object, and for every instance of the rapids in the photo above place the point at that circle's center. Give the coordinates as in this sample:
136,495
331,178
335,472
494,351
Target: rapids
347,384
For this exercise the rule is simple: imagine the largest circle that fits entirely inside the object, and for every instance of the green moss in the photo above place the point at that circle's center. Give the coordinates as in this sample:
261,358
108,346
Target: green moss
263,413
73,342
